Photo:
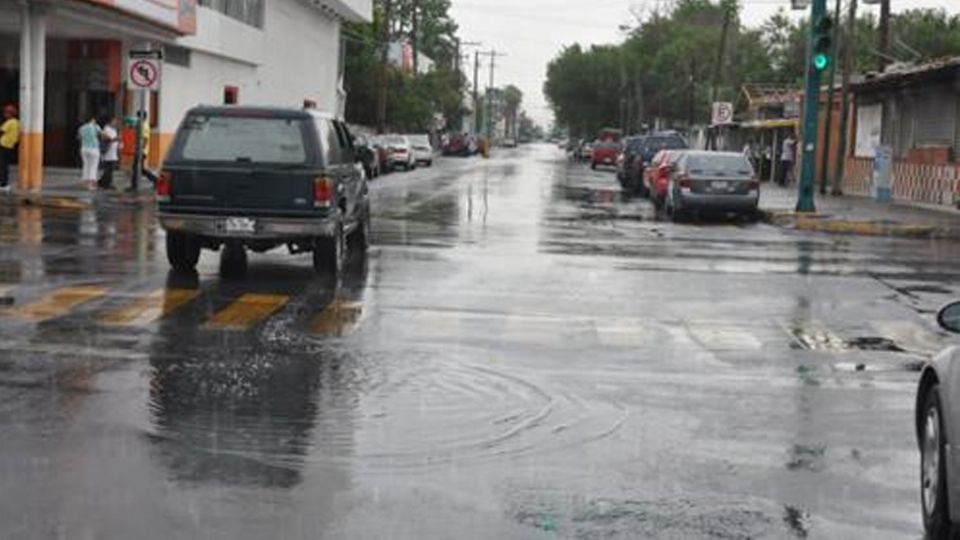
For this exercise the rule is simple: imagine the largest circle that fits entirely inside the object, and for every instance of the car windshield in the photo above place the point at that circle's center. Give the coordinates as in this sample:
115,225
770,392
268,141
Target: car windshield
396,140
719,164
245,139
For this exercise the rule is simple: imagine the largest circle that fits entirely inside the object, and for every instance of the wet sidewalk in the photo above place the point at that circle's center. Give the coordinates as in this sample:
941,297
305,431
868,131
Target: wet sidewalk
62,188
852,214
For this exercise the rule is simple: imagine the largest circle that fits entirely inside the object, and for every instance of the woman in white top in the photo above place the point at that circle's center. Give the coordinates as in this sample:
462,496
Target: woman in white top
89,136
111,152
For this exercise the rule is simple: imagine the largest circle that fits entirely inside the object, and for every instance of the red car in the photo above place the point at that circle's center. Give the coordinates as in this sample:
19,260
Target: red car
656,176
605,154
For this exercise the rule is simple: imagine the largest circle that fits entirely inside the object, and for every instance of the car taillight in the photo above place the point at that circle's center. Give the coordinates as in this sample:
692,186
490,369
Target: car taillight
684,182
163,187
753,184
322,192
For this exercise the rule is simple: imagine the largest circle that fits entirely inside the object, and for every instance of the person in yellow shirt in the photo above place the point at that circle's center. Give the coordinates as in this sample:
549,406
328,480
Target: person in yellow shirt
9,137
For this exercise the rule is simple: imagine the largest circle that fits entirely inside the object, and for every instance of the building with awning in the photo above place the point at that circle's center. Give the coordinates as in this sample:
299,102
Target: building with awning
64,61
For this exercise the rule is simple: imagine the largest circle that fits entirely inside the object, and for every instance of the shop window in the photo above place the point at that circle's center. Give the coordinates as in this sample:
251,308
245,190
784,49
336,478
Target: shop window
178,56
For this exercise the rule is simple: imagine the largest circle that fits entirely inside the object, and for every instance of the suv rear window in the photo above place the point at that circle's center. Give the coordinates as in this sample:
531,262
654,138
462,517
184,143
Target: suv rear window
245,139
652,145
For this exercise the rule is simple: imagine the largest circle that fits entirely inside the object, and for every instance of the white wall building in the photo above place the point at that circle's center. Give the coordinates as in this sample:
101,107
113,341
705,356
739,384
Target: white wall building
64,61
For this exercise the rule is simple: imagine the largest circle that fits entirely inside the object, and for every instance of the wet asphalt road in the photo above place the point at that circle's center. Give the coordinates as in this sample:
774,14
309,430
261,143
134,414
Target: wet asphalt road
524,353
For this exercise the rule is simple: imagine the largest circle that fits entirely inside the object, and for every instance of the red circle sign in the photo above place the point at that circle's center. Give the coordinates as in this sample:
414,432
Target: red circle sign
143,73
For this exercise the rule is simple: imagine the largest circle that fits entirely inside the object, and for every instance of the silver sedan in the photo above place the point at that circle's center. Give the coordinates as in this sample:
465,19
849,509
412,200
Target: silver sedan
938,434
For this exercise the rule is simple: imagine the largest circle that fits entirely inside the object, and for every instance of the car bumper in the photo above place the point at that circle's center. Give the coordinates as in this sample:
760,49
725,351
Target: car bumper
264,228
729,203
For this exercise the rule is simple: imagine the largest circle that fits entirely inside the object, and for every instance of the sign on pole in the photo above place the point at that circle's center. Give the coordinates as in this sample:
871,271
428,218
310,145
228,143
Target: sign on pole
722,113
144,71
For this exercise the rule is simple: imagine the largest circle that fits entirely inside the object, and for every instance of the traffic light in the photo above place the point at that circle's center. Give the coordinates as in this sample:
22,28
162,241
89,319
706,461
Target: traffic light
823,43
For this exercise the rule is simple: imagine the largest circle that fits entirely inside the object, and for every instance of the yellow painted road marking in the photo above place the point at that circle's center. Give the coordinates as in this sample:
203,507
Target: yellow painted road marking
338,319
149,308
247,311
59,302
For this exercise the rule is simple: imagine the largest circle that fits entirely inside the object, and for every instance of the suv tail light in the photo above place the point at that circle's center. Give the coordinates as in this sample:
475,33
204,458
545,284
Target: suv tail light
322,192
164,186
684,181
753,184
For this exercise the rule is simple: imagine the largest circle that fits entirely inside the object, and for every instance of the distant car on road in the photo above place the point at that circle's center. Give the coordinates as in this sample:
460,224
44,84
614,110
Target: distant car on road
293,182
368,156
717,182
383,154
509,143
422,150
604,154
457,144
586,151
401,152
656,175
639,152
937,423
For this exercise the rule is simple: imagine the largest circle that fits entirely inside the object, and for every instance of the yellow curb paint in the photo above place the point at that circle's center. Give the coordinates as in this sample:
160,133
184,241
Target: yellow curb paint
338,319
246,311
149,308
864,228
58,303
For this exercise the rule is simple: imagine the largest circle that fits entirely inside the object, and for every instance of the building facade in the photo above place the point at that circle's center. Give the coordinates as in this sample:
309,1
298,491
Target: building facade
64,61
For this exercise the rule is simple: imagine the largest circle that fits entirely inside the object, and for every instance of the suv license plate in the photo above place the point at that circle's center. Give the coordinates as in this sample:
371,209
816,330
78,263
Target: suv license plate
720,185
236,225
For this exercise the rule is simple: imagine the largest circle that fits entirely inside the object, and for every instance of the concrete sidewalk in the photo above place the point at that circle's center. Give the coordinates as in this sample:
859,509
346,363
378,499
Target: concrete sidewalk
851,214
62,188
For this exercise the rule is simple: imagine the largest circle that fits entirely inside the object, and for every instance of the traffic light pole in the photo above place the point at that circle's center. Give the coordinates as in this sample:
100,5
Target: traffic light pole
811,111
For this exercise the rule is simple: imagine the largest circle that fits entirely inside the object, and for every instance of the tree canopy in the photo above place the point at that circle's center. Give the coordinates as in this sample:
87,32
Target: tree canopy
669,67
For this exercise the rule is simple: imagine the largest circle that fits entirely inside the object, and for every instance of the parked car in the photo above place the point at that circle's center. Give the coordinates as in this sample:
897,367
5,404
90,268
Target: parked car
629,167
422,150
457,144
294,183
719,182
383,154
604,154
401,152
509,143
656,175
367,155
937,422
645,148
586,151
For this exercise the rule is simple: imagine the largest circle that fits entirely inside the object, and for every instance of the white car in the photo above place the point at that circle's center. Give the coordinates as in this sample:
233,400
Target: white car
401,152
938,432
422,151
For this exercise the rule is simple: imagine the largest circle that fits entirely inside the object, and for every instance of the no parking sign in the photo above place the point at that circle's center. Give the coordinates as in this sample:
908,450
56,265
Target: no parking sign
145,68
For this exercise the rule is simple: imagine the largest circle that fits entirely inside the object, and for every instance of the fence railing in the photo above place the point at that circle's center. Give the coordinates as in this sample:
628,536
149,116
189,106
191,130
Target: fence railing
911,182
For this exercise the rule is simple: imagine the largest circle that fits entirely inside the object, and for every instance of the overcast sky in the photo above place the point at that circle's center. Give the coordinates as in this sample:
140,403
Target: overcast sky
532,32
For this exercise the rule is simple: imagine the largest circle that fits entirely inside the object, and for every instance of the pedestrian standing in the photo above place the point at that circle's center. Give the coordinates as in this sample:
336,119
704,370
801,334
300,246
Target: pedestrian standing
89,135
9,138
110,152
787,157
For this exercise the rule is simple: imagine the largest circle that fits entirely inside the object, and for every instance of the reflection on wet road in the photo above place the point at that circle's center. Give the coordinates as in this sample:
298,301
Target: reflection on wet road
524,353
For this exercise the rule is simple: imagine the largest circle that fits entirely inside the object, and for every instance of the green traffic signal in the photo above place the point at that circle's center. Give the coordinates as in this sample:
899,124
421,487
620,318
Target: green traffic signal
821,61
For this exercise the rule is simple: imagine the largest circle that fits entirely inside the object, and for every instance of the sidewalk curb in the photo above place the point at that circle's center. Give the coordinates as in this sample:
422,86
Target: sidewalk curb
58,202
813,222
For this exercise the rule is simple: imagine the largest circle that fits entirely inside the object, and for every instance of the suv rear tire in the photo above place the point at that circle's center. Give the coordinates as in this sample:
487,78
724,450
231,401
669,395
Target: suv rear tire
359,238
328,253
183,251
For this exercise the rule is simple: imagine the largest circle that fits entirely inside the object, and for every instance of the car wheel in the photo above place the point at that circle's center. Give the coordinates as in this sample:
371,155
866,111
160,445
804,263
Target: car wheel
933,472
183,251
328,254
430,163
593,166
359,238
233,260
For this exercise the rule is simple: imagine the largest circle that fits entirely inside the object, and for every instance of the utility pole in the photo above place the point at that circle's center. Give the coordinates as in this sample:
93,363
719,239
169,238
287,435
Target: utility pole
849,43
488,102
459,71
883,35
476,92
382,68
825,153
414,29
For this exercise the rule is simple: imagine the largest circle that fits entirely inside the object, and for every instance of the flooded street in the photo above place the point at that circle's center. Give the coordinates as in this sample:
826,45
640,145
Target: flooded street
524,353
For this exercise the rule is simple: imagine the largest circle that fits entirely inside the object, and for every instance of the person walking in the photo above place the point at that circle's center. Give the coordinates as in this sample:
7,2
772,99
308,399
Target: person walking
89,135
110,152
144,152
787,156
9,138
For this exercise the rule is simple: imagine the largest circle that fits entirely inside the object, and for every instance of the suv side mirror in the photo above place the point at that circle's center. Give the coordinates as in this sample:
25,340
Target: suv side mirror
949,317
